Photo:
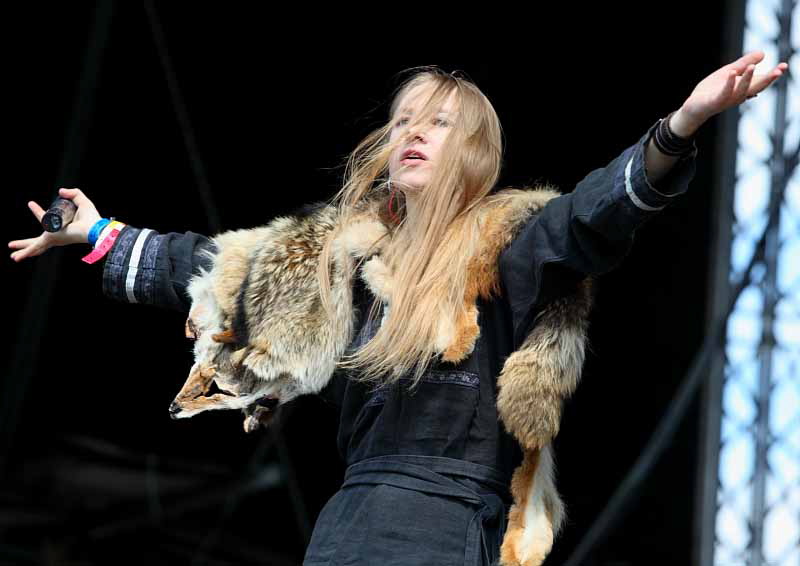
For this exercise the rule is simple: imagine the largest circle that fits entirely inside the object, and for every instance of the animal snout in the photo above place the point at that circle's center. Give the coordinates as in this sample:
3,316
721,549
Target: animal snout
174,409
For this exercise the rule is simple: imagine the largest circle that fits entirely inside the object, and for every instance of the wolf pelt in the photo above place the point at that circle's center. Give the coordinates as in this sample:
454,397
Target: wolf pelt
260,329
261,334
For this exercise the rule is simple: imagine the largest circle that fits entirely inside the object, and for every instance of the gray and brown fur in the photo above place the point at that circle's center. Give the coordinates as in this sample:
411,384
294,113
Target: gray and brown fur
262,333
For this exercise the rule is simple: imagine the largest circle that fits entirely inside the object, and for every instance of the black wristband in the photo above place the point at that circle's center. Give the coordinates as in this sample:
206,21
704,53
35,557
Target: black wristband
668,142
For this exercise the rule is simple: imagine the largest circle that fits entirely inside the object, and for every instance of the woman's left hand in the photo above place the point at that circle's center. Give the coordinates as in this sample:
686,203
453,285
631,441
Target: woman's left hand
724,88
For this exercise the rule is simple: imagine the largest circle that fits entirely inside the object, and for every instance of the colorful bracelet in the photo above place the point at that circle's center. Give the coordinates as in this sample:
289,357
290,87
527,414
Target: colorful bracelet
105,231
106,244
96,229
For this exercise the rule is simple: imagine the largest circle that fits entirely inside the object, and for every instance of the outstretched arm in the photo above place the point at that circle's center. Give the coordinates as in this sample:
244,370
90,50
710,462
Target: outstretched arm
590,230
725,88
141,267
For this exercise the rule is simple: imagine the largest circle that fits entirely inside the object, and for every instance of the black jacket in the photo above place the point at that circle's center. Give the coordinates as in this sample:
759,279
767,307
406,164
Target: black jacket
452,415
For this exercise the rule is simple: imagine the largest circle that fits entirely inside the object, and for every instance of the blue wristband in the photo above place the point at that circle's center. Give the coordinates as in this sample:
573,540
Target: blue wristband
96,229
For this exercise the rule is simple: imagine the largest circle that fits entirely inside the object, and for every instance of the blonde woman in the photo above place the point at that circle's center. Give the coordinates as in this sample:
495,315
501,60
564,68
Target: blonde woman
437,428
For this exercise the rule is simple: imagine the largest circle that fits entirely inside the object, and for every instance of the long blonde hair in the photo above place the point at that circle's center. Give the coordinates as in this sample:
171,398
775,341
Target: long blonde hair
427,253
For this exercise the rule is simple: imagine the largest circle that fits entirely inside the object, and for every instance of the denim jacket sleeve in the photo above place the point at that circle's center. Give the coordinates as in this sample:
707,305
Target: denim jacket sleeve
146,267
588,231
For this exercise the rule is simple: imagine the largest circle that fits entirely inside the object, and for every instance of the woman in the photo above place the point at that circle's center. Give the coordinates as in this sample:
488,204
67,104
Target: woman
430,464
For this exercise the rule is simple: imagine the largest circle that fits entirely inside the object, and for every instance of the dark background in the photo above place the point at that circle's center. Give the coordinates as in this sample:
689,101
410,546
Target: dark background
96,472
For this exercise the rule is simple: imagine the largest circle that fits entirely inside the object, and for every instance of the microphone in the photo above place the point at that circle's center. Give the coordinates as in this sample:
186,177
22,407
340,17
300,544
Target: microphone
60,213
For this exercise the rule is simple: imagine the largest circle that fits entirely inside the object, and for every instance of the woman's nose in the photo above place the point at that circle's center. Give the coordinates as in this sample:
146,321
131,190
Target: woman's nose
416,134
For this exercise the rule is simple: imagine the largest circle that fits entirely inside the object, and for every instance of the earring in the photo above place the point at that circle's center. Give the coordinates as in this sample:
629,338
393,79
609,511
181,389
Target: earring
392,214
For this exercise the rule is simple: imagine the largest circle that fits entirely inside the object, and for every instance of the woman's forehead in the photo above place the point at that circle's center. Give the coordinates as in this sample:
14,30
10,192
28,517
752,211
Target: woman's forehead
416,98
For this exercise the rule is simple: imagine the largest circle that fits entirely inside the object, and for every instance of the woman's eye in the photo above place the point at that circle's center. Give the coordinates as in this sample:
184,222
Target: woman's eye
436,122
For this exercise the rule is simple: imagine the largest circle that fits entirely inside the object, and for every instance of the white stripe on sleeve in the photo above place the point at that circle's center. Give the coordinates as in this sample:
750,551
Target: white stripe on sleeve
629,189
133,264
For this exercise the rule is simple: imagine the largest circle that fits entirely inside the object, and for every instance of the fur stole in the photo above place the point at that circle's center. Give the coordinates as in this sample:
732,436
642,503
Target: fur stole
262,337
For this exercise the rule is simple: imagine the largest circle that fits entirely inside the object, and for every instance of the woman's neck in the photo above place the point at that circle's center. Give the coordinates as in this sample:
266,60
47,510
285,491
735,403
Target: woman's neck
411,205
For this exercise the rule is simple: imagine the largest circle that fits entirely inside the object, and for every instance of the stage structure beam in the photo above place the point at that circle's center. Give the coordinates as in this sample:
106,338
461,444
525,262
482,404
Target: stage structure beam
23,362
719,290
207,198
753,517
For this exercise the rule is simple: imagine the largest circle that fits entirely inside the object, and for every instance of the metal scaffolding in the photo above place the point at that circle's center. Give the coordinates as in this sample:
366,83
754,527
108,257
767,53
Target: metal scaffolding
750,478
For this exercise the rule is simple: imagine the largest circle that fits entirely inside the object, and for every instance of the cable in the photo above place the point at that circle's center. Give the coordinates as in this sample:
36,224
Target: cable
178,105
678,407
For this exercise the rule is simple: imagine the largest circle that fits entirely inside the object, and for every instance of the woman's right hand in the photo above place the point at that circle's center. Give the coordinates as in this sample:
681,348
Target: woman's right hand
75,232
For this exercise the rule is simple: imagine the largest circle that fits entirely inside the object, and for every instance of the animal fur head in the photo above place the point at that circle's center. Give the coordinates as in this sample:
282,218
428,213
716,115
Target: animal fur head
261,335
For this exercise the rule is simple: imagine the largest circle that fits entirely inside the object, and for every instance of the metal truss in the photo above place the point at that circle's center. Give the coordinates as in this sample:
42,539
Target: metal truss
750,490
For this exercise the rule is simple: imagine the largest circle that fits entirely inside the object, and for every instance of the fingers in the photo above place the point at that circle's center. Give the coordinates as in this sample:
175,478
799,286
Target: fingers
37,210
741,64
761,82
730,82
30,248
75,195
18,244
741,89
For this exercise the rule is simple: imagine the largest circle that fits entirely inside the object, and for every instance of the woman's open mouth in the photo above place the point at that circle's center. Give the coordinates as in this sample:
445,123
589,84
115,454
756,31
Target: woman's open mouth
412,157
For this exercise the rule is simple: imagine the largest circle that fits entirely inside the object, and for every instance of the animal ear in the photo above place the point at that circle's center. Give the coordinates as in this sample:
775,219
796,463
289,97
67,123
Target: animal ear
190,330
225,337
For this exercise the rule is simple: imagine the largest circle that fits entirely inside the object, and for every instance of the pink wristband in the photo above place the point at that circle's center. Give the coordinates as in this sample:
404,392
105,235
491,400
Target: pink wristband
105,245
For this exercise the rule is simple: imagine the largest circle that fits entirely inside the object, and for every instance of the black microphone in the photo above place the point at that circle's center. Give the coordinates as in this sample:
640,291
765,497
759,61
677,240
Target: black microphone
60,213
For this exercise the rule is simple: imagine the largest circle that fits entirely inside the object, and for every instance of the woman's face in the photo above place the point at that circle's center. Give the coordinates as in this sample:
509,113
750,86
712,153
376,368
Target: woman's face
412,161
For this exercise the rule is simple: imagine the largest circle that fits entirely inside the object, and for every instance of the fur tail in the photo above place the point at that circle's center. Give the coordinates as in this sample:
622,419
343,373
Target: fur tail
537,514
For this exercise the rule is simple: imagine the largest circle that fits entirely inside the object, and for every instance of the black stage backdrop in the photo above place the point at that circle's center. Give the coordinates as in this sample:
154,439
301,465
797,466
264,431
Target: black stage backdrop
97,473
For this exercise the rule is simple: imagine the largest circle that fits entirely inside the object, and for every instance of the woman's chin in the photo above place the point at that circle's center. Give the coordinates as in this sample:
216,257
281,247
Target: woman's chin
411,183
